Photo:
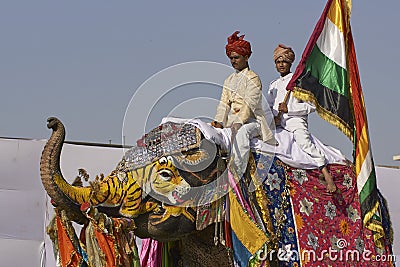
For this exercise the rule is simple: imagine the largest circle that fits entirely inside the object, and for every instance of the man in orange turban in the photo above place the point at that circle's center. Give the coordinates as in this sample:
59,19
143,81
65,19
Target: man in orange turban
240,106
294,112
285,52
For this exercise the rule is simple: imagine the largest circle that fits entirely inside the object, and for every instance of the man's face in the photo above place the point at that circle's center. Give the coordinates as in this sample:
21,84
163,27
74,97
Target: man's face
282,66
238,61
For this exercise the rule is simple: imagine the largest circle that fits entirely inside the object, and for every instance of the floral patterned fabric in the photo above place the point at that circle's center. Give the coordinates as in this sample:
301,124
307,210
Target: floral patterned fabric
280,208
316,228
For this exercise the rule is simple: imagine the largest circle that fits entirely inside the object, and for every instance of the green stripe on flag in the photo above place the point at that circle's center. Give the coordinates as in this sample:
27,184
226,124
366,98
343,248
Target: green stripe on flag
369,186
327,72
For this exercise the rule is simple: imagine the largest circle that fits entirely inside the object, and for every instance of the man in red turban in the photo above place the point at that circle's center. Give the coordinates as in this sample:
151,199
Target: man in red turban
240,106
238,44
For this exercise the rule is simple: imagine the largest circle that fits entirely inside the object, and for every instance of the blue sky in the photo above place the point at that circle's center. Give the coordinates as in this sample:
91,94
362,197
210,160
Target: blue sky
82,61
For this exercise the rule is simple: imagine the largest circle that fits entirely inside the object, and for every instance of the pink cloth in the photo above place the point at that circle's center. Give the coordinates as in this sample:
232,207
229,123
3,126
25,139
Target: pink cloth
237,192
151,253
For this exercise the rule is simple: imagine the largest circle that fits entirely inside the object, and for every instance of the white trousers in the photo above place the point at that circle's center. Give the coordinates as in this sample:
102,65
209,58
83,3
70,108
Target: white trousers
241,146
301,135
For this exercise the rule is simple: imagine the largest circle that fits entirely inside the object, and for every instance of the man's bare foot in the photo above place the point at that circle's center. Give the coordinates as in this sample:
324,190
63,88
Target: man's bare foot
330,187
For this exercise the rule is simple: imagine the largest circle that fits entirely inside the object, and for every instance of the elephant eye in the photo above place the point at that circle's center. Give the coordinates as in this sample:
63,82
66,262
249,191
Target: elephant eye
166,175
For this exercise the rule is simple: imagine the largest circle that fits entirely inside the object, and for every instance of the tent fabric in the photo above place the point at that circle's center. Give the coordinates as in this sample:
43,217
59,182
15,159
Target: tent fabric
24,202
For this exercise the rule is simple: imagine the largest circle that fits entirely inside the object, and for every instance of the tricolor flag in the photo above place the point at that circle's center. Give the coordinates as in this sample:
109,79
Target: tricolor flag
327,75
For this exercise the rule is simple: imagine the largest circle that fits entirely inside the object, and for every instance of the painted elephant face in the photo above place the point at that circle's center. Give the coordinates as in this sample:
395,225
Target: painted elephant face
157,183
176,211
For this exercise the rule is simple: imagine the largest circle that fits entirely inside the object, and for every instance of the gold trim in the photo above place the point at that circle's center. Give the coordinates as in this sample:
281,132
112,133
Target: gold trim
323,113
375,226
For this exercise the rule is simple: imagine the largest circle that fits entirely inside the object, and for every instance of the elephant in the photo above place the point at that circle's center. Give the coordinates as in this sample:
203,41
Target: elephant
154,186
147,194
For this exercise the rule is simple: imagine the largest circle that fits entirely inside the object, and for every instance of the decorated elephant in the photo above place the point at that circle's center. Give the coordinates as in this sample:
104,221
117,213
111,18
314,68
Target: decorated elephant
271,217
146,190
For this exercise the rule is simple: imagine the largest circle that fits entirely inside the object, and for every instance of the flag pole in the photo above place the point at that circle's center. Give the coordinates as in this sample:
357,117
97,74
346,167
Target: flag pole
285,100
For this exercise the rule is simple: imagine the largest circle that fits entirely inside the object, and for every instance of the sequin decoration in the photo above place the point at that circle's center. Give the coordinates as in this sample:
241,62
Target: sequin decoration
166,139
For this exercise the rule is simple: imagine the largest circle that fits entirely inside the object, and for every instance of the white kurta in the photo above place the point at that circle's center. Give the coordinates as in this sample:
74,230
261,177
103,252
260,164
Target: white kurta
296,120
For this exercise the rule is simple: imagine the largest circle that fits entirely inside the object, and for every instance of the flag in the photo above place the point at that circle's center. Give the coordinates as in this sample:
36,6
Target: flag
328,76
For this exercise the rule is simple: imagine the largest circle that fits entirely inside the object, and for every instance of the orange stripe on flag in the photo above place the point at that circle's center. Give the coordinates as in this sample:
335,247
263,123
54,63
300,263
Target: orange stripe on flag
361,149
335,14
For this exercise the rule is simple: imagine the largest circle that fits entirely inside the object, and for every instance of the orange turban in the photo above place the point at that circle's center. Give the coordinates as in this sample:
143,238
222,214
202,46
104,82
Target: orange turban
238,44
285,52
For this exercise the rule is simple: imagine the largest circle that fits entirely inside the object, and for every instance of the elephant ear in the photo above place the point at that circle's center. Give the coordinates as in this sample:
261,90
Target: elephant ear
198,159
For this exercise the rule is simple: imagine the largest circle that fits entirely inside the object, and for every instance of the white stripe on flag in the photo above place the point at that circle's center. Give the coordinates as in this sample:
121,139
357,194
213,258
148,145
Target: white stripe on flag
365,172
331,43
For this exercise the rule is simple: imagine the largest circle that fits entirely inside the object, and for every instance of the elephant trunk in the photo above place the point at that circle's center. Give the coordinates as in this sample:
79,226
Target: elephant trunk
50,172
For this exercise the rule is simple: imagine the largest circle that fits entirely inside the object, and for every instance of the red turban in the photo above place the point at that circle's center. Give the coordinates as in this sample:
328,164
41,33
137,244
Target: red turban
238,45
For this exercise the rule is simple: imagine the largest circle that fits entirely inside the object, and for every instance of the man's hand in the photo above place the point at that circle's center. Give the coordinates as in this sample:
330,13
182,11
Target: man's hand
283,107
235,127
217,124
277,120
